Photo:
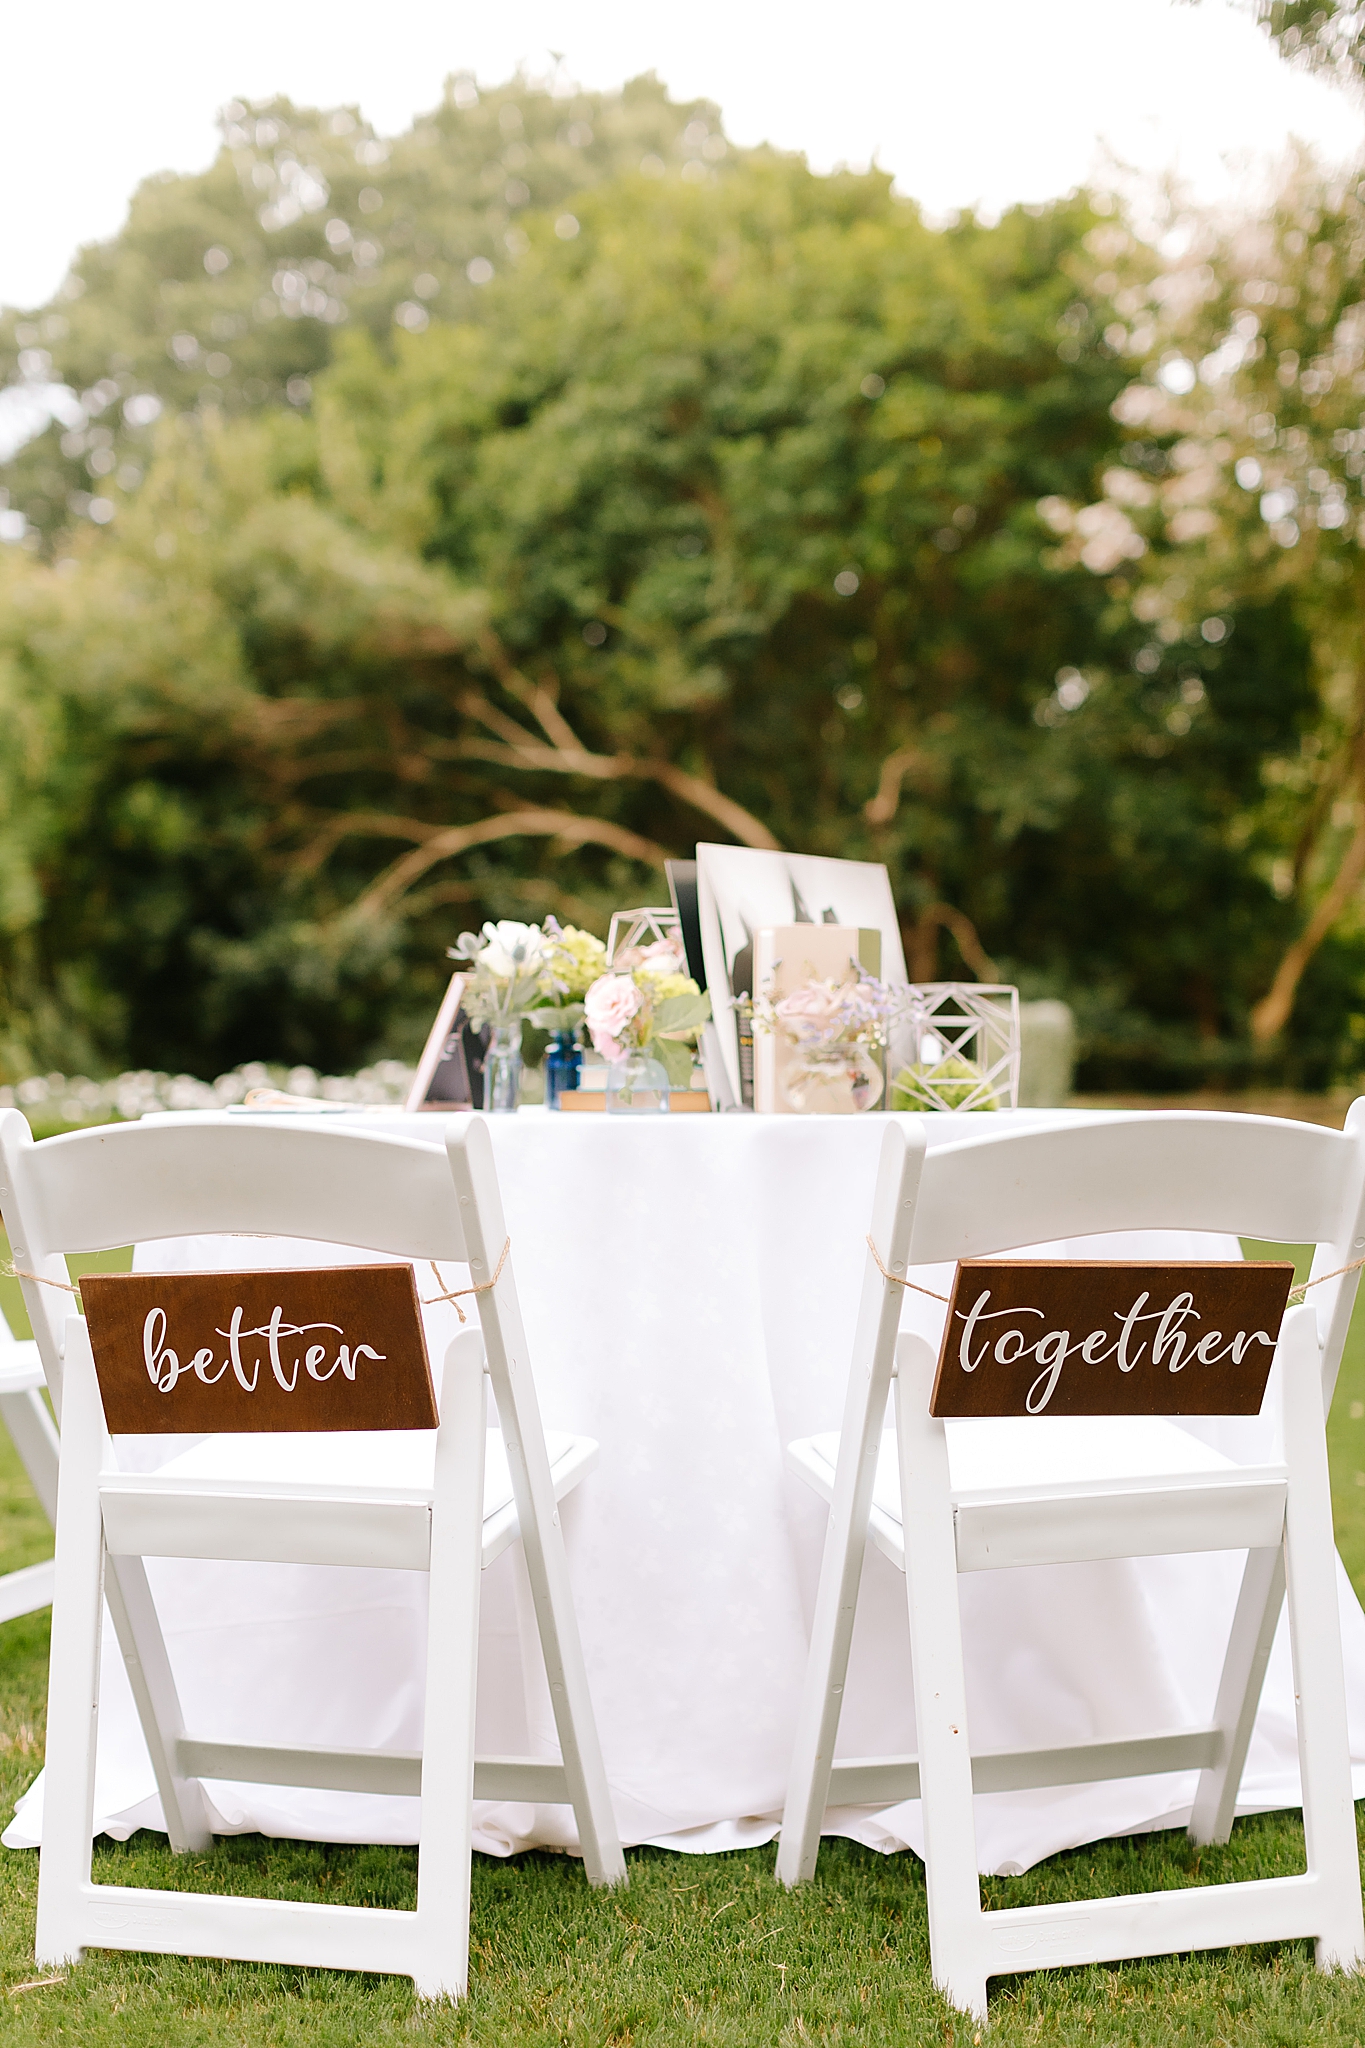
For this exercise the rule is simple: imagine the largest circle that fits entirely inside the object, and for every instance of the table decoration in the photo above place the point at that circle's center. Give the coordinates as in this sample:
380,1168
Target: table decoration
791,957
634,933
645,1024
505,981
831,1031
575,960
964,1048
450,1071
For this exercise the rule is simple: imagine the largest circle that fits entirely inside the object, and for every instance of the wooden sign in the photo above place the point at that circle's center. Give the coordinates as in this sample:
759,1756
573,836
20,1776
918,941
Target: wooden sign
200,1353
1082,1337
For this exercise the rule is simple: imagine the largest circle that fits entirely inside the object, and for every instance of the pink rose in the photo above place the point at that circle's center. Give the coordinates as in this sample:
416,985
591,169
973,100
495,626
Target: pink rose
818,1009
608,1007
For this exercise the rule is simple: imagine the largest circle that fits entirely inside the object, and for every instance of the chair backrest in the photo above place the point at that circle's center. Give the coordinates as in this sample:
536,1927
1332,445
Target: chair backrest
224,1175
1251,1176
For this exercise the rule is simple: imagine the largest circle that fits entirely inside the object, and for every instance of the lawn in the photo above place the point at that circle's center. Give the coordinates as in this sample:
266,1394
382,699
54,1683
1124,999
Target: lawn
697,1949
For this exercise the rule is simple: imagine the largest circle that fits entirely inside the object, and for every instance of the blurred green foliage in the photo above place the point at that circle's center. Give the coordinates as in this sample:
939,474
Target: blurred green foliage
735,502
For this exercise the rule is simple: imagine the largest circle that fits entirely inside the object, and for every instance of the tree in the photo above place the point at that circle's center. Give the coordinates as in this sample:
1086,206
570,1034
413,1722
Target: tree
1322,35
741,506
226,291
1244,474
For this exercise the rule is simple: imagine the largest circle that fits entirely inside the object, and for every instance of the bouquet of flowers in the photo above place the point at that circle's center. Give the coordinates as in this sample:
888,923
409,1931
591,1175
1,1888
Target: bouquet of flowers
830,1013
646,1003
508,971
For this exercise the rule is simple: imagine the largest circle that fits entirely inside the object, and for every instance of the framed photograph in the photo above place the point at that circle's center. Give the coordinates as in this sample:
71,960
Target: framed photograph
443,1079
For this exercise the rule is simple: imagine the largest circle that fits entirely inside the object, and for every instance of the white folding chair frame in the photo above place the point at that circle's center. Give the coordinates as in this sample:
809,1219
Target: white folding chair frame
924,1211
382,1194
25,1415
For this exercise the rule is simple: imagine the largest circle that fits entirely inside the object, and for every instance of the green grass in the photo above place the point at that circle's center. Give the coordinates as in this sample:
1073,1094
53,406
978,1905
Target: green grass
698,1949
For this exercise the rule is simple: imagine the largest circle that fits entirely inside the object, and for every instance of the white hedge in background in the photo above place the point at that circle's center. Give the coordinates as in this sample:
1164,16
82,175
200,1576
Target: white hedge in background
77,1100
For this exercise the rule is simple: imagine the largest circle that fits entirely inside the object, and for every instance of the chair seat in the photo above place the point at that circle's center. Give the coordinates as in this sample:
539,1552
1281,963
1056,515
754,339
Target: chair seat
387,1472
20,1365
1032,1489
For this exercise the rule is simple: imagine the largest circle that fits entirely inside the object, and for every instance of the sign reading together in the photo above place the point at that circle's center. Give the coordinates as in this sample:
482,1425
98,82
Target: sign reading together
317,1349
1126,1337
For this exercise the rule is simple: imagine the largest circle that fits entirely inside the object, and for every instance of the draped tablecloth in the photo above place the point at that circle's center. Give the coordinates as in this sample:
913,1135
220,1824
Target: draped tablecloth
689,1287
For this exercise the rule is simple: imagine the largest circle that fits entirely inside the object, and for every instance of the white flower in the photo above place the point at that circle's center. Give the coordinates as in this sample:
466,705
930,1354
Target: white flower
512,949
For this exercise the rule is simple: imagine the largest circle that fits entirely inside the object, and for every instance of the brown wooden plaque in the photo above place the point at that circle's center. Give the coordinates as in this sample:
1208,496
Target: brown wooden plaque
1082,1337
198,1353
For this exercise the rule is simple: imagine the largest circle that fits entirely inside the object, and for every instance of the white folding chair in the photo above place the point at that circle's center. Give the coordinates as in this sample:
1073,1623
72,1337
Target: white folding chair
25,1415
928,1502
227,1498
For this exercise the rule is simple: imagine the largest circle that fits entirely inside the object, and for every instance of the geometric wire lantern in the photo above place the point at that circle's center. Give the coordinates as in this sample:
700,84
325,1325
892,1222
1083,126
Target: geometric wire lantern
964,1047
642,928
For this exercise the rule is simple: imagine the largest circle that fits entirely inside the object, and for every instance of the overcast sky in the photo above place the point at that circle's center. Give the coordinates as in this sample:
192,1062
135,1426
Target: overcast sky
984,101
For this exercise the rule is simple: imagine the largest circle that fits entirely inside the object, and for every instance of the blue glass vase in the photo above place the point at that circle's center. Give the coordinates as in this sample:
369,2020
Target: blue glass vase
563,1066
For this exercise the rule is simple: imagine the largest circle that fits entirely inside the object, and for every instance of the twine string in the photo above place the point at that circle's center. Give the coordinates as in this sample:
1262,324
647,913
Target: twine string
1300,1289
12,1272
1303,1286
896,1279
484,1287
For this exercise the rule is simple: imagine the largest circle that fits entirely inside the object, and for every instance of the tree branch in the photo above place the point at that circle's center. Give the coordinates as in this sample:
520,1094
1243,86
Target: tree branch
921,947
1271,1014
360,825
881,808
566,754
444,844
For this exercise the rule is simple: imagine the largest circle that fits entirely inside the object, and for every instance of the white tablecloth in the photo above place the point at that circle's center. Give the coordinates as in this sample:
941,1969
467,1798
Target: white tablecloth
689,1286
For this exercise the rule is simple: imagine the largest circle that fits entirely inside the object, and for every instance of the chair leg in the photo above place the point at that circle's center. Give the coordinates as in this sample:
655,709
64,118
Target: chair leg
822,1693
1254,1623
547,1569
1329,1822
945,1760
133,1612
73,1681
445,1840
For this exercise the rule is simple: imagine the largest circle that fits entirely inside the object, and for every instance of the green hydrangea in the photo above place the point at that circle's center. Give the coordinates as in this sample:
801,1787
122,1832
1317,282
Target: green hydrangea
576,959
952,1081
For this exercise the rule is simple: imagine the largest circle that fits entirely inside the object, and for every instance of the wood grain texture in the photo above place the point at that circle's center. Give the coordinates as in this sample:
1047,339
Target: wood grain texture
306,1350
1125,1337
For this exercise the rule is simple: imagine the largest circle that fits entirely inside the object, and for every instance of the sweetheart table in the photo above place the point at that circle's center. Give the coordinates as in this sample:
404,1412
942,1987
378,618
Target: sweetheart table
689,1287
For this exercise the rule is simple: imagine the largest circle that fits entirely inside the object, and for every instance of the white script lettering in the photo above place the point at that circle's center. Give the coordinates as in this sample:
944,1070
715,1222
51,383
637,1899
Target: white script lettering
164,1367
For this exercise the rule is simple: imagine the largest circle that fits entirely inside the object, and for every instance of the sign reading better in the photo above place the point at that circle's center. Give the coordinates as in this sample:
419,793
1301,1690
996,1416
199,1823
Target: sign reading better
1083,1337
317,1349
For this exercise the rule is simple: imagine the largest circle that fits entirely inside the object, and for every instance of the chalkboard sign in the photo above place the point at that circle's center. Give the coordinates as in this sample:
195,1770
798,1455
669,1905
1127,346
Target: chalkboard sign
200,1353
1084,1337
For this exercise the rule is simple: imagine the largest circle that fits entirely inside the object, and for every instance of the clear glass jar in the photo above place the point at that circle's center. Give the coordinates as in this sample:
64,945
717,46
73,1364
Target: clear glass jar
502,1069
637,1086
563,1066
832,1080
